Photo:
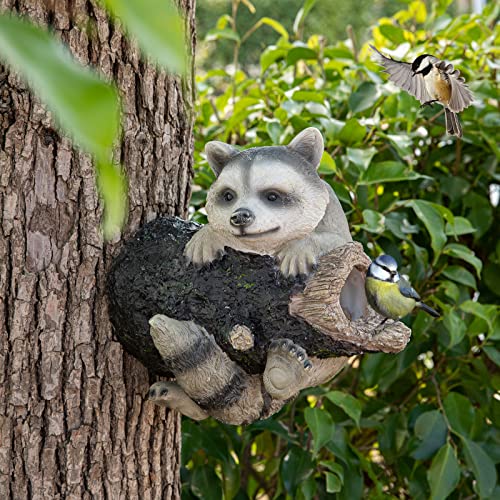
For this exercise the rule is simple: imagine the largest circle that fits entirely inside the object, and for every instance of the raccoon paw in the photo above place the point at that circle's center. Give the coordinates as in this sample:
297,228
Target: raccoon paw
287,369
204,247
298,257
169,394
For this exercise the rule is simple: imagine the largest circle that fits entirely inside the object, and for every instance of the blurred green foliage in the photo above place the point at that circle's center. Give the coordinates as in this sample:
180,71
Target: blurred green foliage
423,423
328,17
85,106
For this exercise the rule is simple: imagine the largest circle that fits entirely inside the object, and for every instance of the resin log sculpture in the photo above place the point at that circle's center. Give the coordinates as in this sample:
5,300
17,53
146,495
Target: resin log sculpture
240,339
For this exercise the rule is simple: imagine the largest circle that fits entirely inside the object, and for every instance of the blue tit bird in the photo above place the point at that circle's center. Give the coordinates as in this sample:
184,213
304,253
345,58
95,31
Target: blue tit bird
388,293
431,80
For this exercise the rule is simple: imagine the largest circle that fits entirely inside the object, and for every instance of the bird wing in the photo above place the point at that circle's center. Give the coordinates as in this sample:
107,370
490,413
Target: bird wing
407,290
401,74
461,96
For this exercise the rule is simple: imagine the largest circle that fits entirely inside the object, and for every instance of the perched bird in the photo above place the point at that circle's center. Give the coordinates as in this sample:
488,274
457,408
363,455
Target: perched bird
390,294
431,80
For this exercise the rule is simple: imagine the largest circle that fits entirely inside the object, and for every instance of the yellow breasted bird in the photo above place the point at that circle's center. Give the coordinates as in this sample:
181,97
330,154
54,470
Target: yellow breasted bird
388,293
431,80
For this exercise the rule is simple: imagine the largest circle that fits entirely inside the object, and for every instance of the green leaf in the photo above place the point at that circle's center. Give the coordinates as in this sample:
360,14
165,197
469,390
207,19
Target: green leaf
374,221
308,488
460,275
275,25
270,56
327,164
296,466
460,413
321,426
444,473
488,313
205,483
158,28
334,467
231,478
462,252
431,430
113,189
431,216
482,466
302,14
418,10
308,96
392,33
333,484
364,97
347,402
387,171
297,53
226,34
493,354
402,143
459,226
392,436
361,157
352,132
456,327
274,129
86,107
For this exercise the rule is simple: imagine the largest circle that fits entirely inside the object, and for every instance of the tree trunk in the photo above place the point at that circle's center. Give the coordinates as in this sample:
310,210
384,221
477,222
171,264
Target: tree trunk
74,422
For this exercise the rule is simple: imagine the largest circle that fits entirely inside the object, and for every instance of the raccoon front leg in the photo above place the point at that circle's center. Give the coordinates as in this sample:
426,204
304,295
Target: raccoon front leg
169,394
205,246
301,255
298,257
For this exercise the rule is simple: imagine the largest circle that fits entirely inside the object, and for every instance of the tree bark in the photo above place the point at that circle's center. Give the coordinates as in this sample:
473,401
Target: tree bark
74,422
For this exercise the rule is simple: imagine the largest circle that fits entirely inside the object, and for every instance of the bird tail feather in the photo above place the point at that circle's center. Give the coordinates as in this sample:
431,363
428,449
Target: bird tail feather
428,309
453,126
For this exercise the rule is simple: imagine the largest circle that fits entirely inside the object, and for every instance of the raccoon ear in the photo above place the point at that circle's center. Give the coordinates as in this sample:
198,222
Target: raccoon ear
309,144
218,154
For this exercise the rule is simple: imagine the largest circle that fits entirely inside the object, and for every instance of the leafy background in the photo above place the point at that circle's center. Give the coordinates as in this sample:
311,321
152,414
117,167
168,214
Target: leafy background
423,423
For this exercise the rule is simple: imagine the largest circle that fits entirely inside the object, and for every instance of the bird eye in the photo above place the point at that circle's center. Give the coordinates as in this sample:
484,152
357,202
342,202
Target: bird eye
228,196
272,196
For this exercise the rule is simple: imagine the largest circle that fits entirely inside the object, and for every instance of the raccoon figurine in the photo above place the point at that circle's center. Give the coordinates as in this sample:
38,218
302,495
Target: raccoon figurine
271,200
268,201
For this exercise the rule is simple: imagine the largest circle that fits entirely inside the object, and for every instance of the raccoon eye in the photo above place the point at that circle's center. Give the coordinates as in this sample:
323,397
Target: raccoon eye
228,196
272,196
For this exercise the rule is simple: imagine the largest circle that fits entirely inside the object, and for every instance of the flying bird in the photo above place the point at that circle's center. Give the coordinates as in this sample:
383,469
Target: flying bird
389,293
431,80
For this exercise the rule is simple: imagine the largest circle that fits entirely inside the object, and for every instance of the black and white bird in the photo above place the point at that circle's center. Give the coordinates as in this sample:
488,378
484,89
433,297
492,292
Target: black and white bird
431,80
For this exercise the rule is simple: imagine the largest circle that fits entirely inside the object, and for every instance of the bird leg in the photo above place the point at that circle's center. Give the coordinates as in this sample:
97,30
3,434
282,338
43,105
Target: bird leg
429,103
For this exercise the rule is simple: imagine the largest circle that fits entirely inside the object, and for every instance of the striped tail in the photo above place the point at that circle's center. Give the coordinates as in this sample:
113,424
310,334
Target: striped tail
428,309
453,126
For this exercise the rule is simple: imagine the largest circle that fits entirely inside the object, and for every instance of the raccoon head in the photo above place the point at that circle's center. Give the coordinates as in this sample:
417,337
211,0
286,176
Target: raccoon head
267,196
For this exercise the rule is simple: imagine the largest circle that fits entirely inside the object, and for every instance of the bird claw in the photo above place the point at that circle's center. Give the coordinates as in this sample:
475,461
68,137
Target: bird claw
428,103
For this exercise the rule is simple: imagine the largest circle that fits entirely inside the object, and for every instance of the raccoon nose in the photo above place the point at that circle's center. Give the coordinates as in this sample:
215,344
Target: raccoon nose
242,217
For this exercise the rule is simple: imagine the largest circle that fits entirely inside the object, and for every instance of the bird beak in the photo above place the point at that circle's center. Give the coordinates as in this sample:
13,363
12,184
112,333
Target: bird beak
414,73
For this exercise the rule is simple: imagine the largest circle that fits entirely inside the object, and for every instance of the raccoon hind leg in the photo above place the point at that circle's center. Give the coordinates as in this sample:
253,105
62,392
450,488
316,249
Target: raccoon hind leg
287,369
172,396
204,371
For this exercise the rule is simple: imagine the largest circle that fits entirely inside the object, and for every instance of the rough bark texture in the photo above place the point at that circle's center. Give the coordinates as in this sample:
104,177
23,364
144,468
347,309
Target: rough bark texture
73,419
151,276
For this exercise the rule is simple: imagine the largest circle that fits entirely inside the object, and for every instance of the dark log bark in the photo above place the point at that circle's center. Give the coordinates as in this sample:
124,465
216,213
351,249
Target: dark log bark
73,420
150,276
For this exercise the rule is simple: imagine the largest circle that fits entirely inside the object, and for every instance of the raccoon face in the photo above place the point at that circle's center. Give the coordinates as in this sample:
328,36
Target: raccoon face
265,197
